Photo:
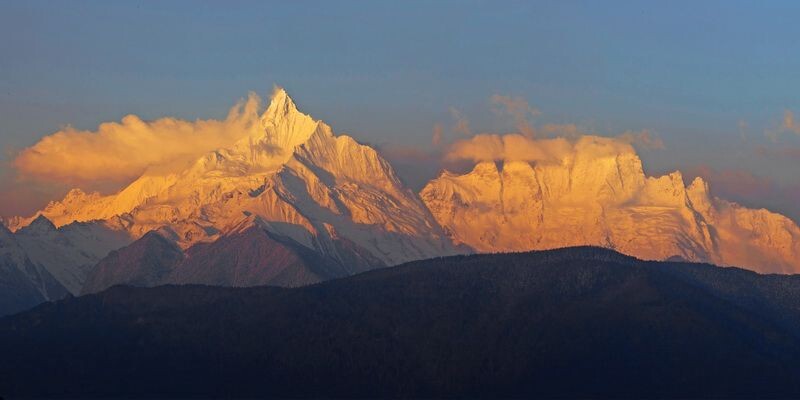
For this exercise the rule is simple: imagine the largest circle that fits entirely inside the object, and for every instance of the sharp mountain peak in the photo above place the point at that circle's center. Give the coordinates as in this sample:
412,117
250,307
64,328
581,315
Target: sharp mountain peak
327,194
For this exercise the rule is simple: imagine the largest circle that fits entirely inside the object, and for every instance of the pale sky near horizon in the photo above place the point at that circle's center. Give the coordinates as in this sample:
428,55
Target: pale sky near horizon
712,79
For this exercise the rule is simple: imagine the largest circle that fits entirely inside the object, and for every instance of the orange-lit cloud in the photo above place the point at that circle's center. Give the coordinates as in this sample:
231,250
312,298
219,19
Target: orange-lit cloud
643,140
788,124
568,131
461,125
519,109
511,147
550,142
436,138
120,151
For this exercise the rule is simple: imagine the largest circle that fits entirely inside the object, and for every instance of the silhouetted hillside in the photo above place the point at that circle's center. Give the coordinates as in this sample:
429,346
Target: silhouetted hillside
579,322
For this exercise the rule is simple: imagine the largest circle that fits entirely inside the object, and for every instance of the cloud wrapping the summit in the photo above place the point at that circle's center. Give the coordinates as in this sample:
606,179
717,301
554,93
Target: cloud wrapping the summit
642,139
518,147
511,147
120,151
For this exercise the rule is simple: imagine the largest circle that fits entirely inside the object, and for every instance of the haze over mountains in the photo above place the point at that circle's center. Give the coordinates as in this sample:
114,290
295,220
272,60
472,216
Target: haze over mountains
291,203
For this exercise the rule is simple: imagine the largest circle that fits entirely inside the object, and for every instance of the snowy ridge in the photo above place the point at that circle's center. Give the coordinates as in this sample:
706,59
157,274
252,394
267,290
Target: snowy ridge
299,180
292,185
69,253
599,195
24,283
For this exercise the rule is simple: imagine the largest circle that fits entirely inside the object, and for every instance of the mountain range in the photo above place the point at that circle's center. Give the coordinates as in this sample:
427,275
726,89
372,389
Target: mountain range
291,203
567,323
596,193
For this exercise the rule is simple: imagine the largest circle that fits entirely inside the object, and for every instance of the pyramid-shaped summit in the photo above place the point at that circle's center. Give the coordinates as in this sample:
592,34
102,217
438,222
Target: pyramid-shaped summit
283,125
310,189
296,192
281,104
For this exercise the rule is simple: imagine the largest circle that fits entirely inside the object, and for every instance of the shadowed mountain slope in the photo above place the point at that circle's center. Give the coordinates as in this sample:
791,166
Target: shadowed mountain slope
249,256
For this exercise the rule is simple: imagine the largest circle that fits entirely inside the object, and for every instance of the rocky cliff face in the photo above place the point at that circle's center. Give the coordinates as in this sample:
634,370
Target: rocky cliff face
598,194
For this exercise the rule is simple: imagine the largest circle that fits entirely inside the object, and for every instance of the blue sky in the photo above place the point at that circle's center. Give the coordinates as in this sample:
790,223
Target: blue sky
708,77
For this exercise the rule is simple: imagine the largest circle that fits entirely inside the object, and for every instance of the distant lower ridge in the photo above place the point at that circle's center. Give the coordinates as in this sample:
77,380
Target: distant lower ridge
577,322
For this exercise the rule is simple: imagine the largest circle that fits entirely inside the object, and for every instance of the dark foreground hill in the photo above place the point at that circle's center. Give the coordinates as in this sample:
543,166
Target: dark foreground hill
578,322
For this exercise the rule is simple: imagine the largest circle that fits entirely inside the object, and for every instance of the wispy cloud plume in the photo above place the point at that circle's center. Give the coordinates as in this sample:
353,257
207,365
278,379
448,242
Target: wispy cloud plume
548,142
461,123
568,131
120,151
510,147
519,109
517,147
788,125
437,136
643,140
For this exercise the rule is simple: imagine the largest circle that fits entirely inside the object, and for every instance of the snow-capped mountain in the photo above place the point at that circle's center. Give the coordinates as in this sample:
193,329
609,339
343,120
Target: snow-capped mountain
23,283
598,194
70,252
291,203
40,262
248,255
293,178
